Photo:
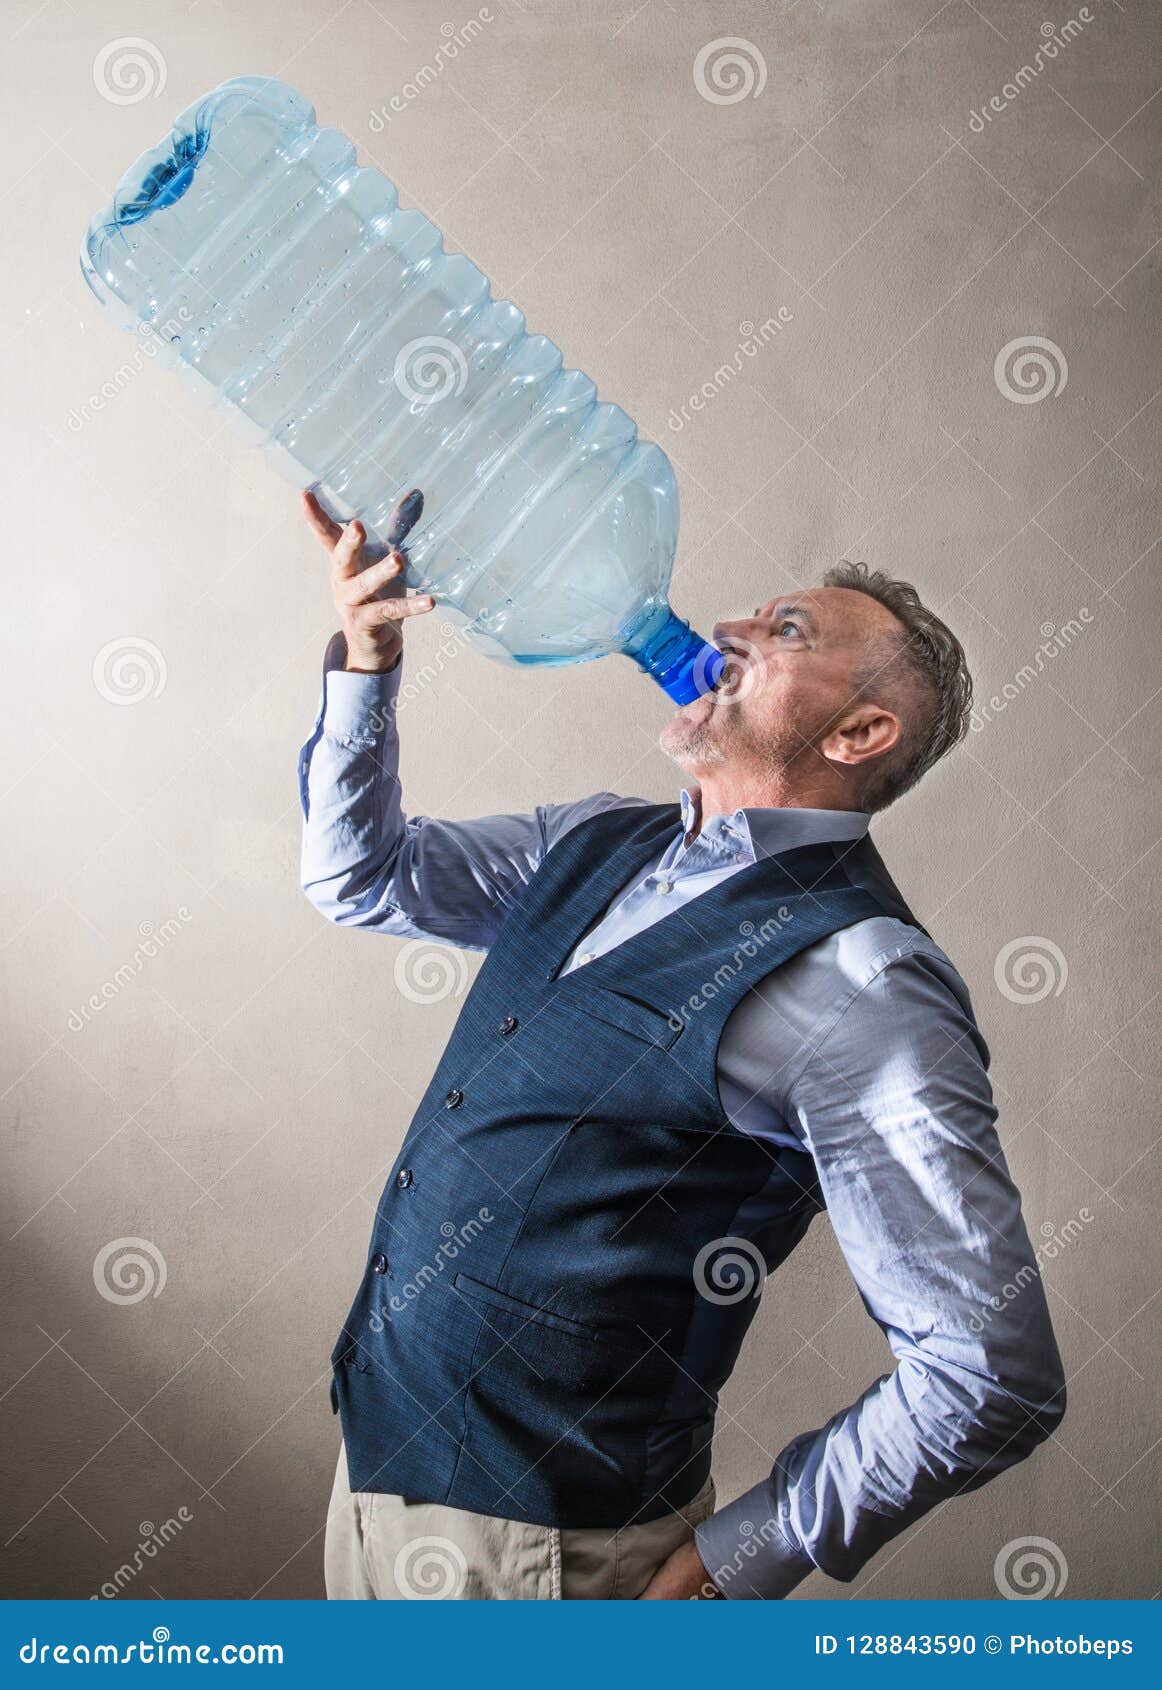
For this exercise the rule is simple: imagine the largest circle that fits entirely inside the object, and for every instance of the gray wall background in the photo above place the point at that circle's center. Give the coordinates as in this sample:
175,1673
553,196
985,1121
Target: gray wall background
238,1097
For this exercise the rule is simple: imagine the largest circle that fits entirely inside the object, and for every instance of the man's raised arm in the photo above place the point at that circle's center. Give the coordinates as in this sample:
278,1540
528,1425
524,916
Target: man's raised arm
364,862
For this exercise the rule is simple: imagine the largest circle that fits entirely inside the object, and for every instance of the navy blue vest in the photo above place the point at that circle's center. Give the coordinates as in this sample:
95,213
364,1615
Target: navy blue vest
533,1337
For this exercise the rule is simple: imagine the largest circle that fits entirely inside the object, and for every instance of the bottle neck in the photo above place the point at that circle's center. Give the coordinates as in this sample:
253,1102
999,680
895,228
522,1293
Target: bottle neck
682,663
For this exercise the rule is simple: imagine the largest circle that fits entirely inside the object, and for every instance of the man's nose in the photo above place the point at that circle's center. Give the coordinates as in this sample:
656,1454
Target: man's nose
737,629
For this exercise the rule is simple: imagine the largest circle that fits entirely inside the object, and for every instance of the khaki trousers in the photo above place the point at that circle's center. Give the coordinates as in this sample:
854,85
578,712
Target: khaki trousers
384,1548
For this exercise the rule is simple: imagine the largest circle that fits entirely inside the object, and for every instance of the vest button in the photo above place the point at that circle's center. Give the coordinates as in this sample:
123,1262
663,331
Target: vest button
507,1026
404,1178
379,1264
454,1099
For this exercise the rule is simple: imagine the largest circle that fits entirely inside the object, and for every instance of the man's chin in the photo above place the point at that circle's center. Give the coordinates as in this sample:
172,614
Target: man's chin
688,737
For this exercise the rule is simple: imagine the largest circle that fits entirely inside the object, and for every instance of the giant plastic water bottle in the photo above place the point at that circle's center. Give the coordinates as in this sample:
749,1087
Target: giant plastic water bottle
287,285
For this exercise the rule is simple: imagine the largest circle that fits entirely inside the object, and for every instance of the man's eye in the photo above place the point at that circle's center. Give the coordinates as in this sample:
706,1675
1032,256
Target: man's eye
789,627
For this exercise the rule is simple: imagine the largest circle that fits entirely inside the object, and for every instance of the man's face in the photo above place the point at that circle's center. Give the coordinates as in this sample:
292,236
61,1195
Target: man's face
787,686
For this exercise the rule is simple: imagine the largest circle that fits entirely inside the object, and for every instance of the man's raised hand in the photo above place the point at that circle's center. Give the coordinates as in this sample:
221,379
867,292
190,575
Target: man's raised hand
369,597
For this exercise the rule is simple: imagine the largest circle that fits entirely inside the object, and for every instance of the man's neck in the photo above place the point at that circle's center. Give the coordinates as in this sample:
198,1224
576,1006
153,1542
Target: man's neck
724,791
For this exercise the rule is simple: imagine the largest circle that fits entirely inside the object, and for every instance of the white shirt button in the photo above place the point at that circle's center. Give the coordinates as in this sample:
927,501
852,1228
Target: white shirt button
586,956
664,886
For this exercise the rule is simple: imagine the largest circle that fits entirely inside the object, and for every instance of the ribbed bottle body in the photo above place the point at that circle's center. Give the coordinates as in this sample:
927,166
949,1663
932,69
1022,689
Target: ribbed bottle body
287,286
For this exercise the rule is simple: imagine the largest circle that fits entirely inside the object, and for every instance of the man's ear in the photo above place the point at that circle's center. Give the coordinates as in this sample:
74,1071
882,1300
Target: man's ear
866,731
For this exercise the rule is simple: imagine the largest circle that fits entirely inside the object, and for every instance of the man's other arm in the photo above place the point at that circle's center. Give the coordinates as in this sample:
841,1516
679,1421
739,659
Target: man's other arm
896,1109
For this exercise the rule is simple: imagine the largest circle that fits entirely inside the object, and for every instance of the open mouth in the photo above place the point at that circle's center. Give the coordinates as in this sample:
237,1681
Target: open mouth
732,679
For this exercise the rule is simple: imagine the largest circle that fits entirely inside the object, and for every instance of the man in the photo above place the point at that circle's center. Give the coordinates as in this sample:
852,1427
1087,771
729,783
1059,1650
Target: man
693,1030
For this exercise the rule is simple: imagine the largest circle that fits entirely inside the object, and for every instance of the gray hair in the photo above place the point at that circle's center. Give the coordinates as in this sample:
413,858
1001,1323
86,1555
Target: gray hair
927,660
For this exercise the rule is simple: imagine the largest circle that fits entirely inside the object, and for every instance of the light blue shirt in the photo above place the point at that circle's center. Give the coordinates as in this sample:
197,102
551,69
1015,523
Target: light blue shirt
862,1051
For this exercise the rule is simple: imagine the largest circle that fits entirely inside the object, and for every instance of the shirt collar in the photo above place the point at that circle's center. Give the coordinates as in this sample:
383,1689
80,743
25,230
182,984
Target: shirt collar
765,832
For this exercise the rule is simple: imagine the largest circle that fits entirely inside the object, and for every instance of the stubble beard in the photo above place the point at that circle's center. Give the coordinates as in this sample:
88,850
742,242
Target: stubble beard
693,746
725,736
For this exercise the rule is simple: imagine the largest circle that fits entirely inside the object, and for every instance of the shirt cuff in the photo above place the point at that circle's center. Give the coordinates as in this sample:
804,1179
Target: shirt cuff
746,1551
358,709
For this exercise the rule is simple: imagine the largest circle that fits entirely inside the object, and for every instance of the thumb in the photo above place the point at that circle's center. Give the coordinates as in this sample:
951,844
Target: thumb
404,517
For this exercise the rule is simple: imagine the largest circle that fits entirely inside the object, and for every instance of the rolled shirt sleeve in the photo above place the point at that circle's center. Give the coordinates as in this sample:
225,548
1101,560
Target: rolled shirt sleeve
895,1107
365,863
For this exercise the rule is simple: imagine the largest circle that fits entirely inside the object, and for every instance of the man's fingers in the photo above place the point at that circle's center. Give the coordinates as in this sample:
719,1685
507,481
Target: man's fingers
371,580
392,610
325,530
345,556
343,541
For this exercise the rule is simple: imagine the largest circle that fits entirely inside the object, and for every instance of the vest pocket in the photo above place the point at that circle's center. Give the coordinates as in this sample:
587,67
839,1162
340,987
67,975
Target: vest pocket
554,1416
598,1003
476,1291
